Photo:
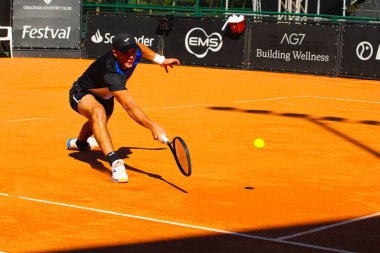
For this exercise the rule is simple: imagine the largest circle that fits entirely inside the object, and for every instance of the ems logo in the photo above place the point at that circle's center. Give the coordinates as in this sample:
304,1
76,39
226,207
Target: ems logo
198,43
47,1
97,37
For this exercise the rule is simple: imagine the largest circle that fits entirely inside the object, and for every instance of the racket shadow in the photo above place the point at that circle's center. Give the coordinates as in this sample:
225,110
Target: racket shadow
155,176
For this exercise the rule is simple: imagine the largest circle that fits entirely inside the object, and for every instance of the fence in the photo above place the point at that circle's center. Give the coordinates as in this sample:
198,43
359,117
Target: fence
192,31
215,8
307,46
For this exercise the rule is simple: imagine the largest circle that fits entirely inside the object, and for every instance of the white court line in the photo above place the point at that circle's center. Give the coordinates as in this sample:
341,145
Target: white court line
329,226
306,96
202,105
176,223
234,102
264,99
30,119
175,107
341,99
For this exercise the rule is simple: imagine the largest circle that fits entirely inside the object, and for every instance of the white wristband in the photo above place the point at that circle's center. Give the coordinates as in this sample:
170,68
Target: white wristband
159,59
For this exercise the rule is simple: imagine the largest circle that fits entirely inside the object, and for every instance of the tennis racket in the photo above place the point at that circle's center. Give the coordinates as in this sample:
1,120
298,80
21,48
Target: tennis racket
180,152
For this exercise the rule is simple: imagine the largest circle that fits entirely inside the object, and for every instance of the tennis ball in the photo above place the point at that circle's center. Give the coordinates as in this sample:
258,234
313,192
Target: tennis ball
259,143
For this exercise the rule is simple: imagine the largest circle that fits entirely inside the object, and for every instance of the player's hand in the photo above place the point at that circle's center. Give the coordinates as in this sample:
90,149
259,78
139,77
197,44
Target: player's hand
170,62
157,132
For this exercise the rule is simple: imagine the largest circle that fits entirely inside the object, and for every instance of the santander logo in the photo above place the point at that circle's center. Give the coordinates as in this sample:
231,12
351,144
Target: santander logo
97,37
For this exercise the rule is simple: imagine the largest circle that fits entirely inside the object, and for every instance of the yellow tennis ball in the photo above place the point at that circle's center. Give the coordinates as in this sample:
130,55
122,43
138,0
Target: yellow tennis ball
259,143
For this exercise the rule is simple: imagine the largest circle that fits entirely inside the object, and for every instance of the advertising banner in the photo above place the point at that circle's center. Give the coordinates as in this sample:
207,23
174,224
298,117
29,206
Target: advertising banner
361,51
102,28
306,48
200,41
5,13
46,24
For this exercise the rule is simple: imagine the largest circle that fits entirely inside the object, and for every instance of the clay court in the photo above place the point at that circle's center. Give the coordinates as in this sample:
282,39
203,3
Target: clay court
314,187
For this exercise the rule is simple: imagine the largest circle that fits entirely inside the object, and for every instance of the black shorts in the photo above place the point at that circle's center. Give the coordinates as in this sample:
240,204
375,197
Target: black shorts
75,95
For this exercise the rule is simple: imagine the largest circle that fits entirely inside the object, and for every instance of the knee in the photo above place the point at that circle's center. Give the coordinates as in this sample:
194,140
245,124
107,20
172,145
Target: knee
99,115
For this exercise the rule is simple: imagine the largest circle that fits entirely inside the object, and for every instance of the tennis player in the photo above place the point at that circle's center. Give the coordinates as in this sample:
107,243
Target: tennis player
92,95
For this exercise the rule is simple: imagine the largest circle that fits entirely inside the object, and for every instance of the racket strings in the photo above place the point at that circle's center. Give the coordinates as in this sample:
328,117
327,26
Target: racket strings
183,157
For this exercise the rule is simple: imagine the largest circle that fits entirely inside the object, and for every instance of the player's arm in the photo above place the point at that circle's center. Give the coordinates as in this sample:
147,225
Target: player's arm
150,55
137,114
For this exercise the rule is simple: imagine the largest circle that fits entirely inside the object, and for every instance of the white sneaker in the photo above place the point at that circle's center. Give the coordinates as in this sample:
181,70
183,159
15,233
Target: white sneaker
72,145
119,174
93,143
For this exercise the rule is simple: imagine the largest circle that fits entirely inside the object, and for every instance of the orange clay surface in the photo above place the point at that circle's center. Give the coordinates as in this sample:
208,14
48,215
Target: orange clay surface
319,170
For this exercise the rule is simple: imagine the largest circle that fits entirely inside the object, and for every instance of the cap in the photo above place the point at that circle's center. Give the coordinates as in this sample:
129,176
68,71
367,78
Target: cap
123,42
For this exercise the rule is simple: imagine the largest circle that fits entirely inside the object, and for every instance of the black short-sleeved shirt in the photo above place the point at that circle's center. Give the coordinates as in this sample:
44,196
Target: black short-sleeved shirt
105,72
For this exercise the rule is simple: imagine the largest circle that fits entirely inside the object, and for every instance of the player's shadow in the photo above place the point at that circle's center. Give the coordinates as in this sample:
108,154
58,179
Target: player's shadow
94,157
317,121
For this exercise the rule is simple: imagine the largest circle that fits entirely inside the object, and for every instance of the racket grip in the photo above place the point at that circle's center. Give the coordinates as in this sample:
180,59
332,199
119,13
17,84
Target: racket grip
165,139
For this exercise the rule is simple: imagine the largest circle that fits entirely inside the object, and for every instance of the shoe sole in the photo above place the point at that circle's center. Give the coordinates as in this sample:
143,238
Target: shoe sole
122,180
68,144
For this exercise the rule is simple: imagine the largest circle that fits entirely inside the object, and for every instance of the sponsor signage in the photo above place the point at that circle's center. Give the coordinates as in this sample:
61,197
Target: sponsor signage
361,51
202,42
46,24
102,28
294,47
5,13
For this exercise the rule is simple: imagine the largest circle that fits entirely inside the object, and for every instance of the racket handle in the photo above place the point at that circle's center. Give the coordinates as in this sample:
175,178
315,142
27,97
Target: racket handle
165,139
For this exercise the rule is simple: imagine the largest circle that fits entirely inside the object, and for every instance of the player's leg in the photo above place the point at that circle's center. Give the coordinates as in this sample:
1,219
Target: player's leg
85,132
98,112
84,140
85,136
96,124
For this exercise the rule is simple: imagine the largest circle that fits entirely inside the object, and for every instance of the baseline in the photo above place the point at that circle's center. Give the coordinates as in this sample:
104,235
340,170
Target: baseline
341,99
176,223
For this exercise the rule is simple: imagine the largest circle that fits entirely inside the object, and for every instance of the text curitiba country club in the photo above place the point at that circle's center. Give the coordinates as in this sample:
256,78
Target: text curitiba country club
46,32
293,55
